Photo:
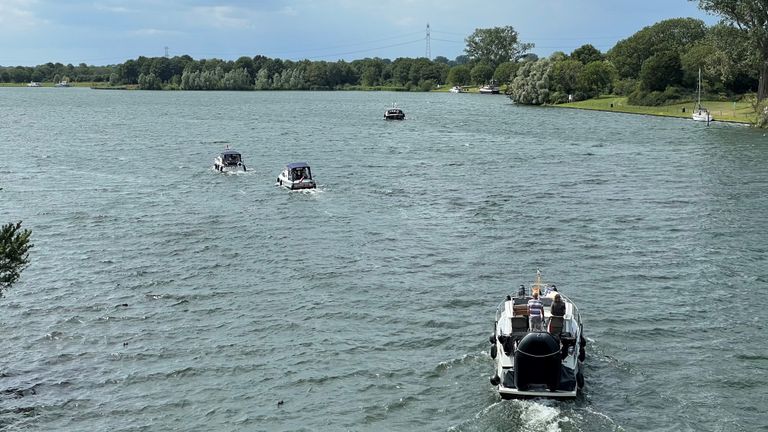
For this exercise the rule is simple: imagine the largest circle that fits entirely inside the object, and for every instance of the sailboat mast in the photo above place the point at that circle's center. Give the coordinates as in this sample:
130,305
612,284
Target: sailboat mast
699,86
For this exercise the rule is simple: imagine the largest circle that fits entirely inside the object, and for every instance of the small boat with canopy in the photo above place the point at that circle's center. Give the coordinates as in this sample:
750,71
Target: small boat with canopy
296,175
394,113
230,160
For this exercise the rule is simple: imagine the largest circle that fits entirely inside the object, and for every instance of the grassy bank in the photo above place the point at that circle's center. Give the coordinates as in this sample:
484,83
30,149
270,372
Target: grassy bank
739,112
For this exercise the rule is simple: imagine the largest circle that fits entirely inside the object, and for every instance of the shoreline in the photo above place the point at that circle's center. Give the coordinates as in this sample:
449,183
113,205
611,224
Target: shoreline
618,111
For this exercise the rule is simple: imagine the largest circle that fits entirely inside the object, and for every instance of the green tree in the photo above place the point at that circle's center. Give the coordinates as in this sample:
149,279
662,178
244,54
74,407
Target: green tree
149,82
14,253
558,56
505,72
751,17
660,71
596,78
495,45
673,35
481,73
587,54
460,75
531,85
564,76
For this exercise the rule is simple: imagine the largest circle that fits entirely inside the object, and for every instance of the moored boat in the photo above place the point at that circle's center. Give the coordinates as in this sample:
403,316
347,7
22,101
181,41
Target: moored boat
229,160
34,84
457,89
296,175
491,88
699,112
538,362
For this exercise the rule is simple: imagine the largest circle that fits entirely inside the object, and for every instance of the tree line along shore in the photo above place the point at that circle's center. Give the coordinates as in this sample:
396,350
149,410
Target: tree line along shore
654,71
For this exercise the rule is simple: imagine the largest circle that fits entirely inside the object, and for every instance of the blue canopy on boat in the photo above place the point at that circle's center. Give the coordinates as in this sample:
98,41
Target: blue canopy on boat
297,165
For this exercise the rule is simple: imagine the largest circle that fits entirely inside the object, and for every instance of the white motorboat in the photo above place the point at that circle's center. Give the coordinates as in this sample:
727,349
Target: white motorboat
394,113
62,84
491,88
699,112
457,89
537,362
229,160
296,175
34,84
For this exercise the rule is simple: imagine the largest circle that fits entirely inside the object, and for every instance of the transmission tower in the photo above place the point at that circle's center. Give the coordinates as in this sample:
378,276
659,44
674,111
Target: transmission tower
166,52
429,48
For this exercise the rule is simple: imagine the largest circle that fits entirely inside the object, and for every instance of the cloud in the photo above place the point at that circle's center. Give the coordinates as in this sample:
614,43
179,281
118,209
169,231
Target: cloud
19,15
222,17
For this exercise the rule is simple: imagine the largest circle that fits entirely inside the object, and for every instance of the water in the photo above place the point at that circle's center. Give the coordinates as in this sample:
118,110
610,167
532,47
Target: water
165,296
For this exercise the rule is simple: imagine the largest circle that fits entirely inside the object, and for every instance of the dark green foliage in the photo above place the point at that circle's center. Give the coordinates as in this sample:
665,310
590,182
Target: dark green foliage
14,253
586,54
597,78
505,72
671,94
426,85
661,70
749,16
673,35
624,87
460,75
481,73
565,77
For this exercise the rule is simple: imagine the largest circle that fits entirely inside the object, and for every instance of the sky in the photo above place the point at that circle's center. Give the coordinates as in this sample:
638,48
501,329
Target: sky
102,32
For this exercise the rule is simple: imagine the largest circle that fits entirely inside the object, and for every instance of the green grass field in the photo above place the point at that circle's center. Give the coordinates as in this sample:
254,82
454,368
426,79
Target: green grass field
739,112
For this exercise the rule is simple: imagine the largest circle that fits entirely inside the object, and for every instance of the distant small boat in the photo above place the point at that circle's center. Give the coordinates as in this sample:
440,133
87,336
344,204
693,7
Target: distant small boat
457,89
394,113
34,84
491,88
229,160
296,175
62,84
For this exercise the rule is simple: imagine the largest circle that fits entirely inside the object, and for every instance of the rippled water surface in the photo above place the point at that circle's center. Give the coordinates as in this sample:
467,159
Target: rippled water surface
165,296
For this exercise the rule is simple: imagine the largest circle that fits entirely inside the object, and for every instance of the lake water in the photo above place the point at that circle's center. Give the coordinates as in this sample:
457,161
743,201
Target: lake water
163,295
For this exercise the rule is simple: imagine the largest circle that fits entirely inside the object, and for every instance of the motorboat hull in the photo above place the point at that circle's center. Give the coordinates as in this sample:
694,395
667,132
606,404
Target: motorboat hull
220,167
395,117
296,184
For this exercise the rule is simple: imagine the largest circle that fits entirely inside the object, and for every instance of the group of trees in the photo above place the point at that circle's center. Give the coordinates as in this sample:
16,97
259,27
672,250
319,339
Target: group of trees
656,65
55,72
659,63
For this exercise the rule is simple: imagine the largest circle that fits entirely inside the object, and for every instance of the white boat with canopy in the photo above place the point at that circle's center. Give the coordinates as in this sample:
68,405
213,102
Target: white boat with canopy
538,362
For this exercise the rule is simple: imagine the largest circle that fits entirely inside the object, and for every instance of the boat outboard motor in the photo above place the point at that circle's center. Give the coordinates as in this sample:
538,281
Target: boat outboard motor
537,361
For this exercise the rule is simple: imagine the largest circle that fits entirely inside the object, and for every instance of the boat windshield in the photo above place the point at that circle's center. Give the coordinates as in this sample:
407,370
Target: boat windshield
301,174
231,158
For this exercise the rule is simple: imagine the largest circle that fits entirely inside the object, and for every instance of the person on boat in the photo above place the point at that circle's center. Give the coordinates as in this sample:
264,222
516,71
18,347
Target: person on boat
535,313
558,306
521,291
